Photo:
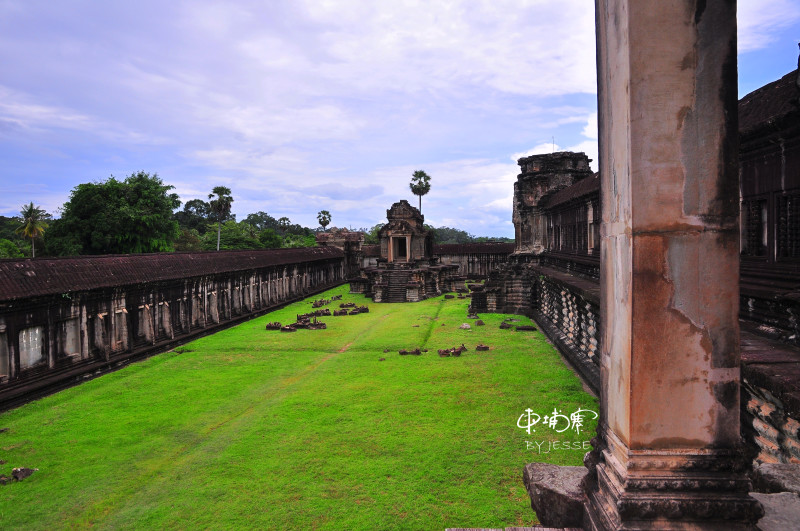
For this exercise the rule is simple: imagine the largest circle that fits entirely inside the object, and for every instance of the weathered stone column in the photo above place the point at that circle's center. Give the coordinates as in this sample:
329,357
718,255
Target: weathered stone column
669,450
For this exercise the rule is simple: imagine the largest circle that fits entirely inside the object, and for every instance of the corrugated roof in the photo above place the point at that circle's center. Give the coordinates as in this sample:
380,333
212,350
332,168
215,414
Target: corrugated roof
584,187
46,276
474,248
769,104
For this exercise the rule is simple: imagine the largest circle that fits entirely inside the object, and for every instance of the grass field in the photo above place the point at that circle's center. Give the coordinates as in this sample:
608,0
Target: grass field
250,428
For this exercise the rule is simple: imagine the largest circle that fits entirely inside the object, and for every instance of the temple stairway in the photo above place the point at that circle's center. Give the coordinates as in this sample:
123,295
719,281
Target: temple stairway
396,290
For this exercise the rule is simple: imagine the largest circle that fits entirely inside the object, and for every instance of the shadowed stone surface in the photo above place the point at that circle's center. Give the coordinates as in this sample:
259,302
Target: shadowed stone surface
777,477
781,511
556,493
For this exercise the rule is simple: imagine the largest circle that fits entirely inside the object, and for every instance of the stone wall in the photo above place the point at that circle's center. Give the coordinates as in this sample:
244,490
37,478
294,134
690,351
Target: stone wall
569,310
770,397
68,327
563,302
474,260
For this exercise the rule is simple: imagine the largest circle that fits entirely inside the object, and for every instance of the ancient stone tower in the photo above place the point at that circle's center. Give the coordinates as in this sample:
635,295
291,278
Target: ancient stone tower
541,177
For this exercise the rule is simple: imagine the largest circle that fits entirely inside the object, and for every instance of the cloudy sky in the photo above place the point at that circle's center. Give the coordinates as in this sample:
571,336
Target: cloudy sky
299,106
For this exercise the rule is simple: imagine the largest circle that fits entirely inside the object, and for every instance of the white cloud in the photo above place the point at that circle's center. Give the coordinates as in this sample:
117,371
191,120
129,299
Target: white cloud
533,48
591,131
588,146
307,104
758,21
538,149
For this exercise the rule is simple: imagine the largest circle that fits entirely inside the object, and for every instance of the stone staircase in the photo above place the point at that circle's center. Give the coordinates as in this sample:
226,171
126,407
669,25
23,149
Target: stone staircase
396,289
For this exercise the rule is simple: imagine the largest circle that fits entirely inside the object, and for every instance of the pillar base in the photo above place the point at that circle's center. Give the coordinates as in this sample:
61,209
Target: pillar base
674,489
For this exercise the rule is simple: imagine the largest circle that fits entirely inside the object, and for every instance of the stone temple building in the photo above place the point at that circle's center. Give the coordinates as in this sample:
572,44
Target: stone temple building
543,176
407,269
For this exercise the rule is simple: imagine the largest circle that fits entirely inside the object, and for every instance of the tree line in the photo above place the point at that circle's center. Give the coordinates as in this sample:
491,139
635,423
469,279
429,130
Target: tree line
141,214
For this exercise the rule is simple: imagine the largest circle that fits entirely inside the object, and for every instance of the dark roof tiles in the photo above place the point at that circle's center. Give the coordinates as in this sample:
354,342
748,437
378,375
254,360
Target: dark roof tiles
584,187
46,276
769,104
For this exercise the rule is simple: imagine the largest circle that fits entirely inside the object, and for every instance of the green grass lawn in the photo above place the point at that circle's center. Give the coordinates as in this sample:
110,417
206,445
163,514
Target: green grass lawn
310,430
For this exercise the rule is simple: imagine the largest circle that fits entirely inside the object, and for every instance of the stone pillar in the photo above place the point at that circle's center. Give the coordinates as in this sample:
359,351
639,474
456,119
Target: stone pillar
669,453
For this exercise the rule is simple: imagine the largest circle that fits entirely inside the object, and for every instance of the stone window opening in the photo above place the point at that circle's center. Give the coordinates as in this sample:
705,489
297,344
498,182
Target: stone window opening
211,305
787,229
4,359
145,328
754,227
120,337
30,347
70,337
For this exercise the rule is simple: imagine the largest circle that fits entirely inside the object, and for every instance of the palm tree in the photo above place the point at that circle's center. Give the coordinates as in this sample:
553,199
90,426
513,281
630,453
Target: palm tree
324,217
420,185
284,223
33,223
221,206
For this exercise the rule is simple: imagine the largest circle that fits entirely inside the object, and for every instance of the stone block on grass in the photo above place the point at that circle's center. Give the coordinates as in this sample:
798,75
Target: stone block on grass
555,493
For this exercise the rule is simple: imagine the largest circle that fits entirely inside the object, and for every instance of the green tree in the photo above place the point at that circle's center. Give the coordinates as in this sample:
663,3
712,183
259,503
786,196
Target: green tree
8,228
284,223
33,224
324,218
189,240
233,236
196,215
261,220
269,239
450,235
420,185
220,206
8,249
299,240
371,235
130,216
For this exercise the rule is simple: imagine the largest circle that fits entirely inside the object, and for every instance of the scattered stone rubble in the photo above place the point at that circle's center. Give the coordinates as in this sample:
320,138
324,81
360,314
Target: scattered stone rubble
455,351
17,474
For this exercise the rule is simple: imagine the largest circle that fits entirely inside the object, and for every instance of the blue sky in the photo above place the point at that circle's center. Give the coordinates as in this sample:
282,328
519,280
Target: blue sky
299,106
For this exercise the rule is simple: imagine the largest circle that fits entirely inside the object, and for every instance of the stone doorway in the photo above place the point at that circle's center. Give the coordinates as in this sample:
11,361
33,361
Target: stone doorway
400,250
